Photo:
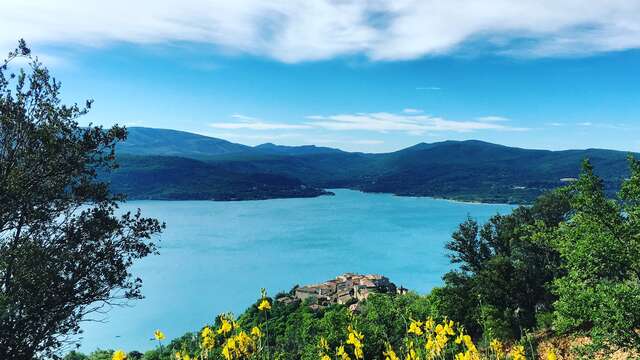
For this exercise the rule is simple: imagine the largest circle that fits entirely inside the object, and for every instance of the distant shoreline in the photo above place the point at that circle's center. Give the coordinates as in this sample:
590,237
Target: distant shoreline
330,192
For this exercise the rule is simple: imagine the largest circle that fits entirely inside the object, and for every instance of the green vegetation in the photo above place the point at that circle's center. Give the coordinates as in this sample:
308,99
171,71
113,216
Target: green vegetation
171,178
64,254
566,266
467,170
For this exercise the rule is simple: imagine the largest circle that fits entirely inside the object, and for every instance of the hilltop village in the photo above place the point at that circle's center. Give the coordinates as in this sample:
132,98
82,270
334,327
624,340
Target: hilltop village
346,289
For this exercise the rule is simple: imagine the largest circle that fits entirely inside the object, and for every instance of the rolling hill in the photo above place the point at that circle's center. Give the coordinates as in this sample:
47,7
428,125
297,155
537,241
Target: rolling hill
167,164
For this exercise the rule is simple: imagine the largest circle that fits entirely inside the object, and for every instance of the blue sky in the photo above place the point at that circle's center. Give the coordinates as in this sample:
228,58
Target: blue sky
379,84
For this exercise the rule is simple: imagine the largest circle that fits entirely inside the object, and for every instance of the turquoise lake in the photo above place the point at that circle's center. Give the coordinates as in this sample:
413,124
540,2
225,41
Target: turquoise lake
215,256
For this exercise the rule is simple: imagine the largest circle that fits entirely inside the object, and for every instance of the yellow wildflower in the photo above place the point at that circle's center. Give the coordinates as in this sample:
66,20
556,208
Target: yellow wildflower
255,331
264,305
119,355
245,343
225,327
459,338
415,328
178,356
497,348
355,338
429,324
411,354
208,338
517,353
469,343
158,335
467,355
389,354
551,355
342,354
324,345
229,349
448,327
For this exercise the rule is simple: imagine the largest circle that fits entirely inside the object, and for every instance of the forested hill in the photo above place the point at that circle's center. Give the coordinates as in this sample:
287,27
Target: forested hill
168,164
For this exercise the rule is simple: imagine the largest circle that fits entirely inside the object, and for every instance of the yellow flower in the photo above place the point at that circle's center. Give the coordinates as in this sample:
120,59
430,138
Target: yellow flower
411,355
186,357
245,343
256,332
225,327
467,355
551,355
208,338
429,324
469,344
517,353
355,338
447,327
342,354
497,348
324,345
389,354
325,357
158,335
415,328
119,355
264,305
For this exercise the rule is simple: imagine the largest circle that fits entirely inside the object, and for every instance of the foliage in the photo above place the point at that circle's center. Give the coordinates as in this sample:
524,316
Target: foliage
568,264
467,170
63,252
505,267
600,293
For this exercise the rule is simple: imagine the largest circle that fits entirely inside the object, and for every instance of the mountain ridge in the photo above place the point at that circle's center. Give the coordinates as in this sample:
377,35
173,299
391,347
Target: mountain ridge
469,170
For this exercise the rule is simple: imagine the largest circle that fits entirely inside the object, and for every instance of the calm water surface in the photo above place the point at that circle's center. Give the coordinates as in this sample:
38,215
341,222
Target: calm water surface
215,256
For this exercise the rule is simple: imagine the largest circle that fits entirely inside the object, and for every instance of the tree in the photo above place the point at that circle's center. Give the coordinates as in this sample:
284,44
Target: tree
505,268
600,293
64,251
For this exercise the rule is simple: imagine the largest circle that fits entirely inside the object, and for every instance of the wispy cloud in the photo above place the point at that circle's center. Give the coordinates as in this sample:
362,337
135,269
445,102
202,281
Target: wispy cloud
492,118
606,125
302,30
252,123
409,123
433,88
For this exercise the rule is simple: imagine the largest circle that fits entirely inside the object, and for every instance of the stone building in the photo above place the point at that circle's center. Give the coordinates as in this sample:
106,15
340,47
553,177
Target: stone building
347,289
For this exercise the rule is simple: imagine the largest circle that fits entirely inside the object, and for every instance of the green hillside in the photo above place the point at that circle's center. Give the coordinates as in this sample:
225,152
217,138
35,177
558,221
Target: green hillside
176,178
462,170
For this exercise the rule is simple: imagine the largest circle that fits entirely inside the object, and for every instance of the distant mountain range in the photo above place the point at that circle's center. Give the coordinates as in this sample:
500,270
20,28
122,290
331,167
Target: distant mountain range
169,164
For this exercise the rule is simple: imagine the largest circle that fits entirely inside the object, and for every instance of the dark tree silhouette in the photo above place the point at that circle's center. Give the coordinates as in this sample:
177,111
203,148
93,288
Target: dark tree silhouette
64,253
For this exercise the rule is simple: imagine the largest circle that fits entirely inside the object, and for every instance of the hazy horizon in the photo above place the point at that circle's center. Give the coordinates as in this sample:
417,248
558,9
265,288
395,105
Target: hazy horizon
373,152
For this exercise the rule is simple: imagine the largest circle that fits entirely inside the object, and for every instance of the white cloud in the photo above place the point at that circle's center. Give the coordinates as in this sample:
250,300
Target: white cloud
492,118
412,111
253,137
411,122
408,123
585,123
301,30
433,88
252,123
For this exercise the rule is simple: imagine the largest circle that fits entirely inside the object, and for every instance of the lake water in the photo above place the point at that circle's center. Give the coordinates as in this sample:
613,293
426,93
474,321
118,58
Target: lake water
215,256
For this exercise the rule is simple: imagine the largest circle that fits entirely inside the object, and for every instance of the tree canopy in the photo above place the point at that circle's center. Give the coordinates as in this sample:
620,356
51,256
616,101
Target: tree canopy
65,250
